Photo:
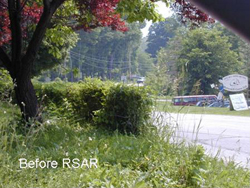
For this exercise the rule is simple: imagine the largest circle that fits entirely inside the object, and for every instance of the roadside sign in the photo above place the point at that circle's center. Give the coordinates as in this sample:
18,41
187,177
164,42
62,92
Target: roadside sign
235,82
220,96
212,86
239,102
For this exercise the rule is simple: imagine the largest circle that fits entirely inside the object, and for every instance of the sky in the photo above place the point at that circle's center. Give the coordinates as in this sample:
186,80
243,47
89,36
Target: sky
163,10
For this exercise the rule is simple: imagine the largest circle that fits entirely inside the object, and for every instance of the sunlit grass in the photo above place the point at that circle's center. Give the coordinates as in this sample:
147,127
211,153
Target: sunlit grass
168,107
7,110
148,160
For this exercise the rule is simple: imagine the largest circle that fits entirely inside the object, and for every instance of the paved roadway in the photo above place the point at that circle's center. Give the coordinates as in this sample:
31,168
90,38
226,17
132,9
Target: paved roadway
225,136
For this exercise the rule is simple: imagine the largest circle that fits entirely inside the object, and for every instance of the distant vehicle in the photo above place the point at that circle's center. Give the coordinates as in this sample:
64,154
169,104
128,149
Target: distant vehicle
192,100
141,80
220,104
204,103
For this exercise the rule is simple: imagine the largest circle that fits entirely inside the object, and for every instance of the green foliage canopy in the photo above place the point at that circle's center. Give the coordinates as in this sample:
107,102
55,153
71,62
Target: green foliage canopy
160,33
204,58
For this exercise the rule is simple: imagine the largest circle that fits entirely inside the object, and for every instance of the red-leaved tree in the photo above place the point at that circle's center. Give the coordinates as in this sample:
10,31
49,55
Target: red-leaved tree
15,18
190,12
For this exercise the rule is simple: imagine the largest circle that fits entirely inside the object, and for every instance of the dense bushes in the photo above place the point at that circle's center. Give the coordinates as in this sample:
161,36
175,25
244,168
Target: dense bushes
51,92
125,108
116,106
87,97
6,85
83,98
121,107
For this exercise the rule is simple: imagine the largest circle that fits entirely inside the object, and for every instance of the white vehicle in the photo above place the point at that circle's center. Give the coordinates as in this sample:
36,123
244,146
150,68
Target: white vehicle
141,80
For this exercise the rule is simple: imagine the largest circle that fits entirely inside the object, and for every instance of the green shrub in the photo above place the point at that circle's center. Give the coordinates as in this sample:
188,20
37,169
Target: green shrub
125,109
51,92
83,98
57,79
6,86
117,107
87,97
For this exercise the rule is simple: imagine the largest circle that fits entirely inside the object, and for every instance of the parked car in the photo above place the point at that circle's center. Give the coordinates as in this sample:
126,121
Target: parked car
192,100
140,80
205,102
220,104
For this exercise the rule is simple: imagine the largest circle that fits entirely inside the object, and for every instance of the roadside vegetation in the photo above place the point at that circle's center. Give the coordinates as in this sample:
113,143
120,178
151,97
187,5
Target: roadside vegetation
149,157
168,107
88,118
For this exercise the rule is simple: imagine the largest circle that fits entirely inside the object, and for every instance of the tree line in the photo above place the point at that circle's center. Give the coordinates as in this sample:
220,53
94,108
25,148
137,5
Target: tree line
37,36
176,58
193,58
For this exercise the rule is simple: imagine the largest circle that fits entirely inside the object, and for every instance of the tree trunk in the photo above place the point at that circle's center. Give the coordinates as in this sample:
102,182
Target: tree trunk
26,98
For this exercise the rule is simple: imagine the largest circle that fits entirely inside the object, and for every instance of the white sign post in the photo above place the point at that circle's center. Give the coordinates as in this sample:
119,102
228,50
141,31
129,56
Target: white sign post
239,102
235,82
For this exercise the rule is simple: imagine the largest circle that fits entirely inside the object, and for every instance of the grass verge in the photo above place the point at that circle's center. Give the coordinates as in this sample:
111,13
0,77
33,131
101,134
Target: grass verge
148,160
168,107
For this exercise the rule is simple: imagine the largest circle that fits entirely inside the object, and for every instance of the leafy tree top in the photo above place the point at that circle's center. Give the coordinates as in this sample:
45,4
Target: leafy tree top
189,12
86,14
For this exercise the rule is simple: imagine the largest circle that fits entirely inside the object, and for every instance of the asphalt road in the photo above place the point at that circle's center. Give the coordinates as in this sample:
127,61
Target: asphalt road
227,137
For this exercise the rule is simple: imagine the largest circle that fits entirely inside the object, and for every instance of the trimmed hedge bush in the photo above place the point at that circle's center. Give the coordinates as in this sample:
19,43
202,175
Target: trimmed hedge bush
84,97
125,109
54,92
122,108
87,97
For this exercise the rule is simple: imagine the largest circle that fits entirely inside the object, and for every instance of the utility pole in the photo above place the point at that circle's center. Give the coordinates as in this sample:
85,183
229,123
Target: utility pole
248,91
111,66
71,67
129,62
80,61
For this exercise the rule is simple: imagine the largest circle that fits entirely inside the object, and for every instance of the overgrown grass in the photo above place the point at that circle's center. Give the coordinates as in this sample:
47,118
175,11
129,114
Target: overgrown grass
168,107
148,160
7,110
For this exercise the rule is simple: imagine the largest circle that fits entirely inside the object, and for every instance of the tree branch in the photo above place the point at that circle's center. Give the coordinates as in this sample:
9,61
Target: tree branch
235,15
56,3
24,4
3,4
36,40
14,8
